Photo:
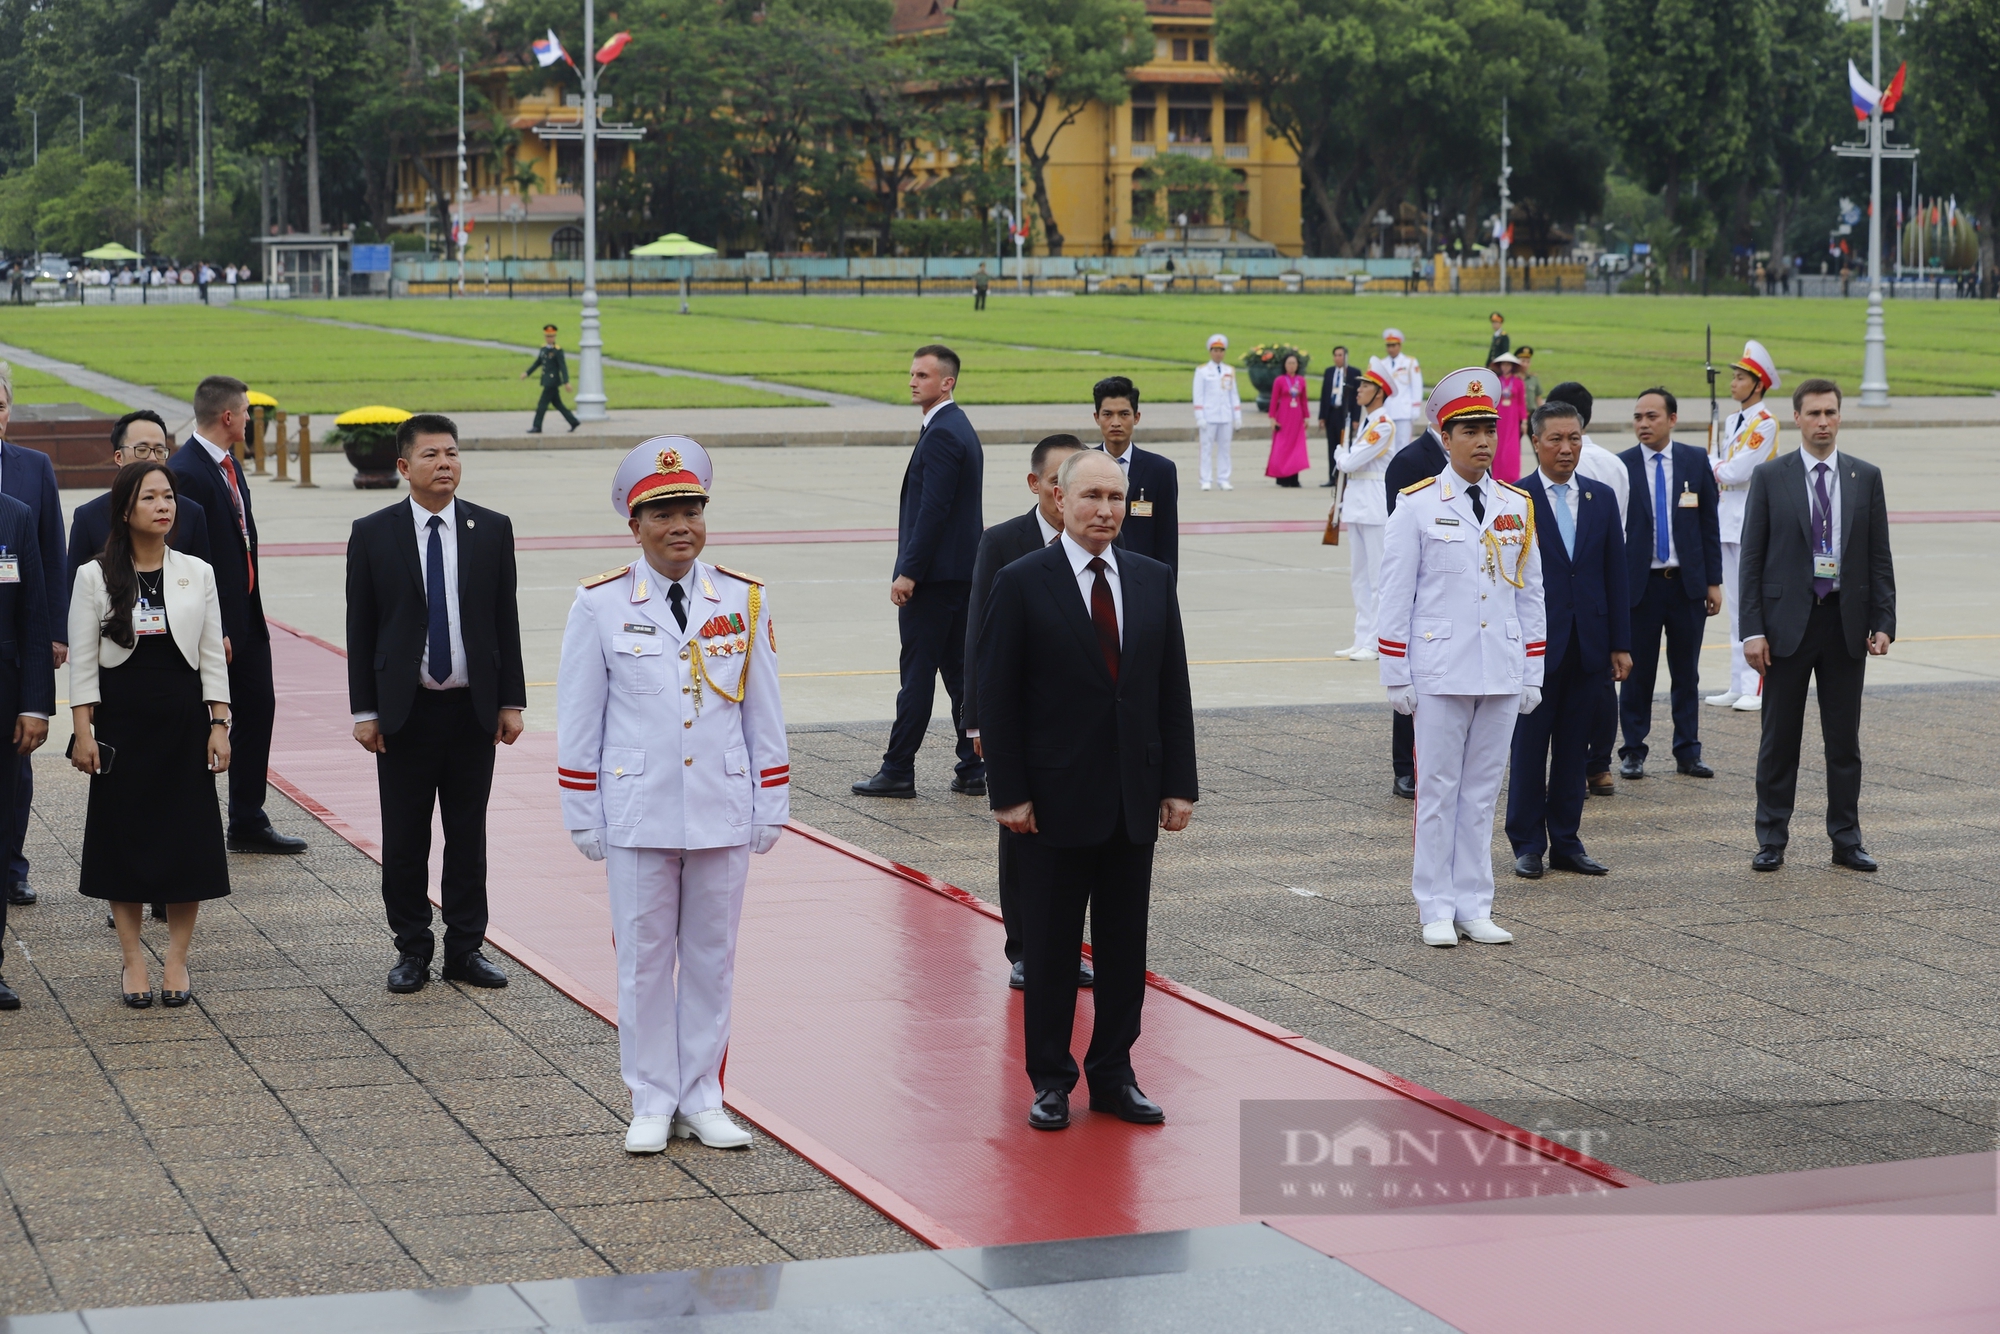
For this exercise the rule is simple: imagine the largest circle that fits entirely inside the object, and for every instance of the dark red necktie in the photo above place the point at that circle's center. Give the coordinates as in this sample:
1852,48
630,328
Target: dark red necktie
1104,615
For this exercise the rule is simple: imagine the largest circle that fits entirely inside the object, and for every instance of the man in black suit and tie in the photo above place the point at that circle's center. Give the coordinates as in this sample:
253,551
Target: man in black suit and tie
1816,543
1589,643
1083,690
1153,489
29,476
1673,562
134,436
1423,457
435,681
1003,544
205,470
937,542
27,671
1339,407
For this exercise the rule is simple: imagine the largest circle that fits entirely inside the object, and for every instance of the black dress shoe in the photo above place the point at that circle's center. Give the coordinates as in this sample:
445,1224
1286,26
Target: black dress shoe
1050,1111
1324,485
1017,976
9,998
1406,788
1855,858
174,1000
882,785
138,1000
266,839
1769,857
1601,785
1086,976
1528,866
409,974
1128,1104
474,970
1581,864
970,787
1696,769
1632,769
20,894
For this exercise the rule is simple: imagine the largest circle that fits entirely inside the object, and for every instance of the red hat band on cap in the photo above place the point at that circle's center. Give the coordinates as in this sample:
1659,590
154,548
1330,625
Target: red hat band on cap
1751,367
1377,379
669,478
1474,402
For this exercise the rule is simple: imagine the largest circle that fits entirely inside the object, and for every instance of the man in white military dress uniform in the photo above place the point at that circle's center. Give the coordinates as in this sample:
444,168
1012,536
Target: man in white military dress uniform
1749,437
1461,631
1403,373
1364,506
1218,411
673,766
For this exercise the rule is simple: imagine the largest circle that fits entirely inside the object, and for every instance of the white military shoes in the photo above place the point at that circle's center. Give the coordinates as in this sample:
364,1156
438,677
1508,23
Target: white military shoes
647,1134
713,1128
1484,932
1444,935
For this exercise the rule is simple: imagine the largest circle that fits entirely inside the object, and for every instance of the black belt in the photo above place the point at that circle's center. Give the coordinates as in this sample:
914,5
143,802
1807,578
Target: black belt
1669,572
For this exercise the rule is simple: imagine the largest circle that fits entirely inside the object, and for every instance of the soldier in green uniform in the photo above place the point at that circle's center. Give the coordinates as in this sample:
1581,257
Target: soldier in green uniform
555,374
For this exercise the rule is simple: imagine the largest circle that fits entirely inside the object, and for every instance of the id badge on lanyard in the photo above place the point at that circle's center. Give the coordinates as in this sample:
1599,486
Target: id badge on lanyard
10,567
148,620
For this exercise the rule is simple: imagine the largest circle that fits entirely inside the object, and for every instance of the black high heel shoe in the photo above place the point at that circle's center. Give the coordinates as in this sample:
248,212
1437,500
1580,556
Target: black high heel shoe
173,1000
138,1000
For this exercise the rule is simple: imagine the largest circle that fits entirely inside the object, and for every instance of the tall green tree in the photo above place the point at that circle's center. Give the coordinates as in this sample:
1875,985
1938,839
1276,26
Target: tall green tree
1955,72
1799,108
1073,53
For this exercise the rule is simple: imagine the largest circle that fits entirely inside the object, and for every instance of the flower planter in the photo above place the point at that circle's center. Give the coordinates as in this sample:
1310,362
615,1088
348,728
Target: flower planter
368,437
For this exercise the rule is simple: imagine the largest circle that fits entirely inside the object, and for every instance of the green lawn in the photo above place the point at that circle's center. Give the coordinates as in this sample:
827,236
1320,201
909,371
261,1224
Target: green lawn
316,368
32,386
1050,349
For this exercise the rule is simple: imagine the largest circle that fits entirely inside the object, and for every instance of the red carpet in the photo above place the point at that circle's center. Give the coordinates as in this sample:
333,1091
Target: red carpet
874,1032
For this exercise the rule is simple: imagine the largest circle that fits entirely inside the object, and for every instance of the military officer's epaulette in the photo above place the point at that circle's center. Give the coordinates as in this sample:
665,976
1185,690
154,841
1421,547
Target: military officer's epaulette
738,574
1415,487
1515,489
604,578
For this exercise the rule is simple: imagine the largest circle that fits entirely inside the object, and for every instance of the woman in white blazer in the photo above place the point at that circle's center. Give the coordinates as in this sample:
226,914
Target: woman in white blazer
150,693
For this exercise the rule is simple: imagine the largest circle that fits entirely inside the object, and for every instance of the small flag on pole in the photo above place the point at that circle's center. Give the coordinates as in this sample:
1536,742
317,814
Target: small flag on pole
548,50
1862,93
1894,92
610,50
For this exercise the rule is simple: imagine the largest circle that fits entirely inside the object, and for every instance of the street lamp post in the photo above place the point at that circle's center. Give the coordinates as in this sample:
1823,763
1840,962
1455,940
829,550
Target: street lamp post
1874,355
590,403
1505,198
458,228
138,183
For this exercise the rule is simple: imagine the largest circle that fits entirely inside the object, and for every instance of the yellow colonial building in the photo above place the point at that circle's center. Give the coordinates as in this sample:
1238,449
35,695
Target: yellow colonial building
1179,105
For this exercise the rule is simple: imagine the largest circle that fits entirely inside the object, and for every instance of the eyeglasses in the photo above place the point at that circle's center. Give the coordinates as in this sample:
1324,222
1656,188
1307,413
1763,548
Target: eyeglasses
146,450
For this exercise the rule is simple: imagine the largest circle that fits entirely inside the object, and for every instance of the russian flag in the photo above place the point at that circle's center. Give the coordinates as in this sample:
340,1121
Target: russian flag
548,50
1861,92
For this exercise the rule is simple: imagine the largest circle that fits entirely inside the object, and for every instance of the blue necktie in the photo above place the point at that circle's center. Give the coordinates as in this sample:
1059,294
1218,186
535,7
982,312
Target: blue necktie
1662,516
1565,522
440,636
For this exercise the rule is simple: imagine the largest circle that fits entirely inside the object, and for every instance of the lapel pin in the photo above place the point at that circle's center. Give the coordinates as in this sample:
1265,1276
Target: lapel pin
182,582
471,523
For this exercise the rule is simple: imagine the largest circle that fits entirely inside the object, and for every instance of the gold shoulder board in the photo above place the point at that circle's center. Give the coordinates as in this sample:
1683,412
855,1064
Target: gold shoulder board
738,574
604,578
1515,489
1415,487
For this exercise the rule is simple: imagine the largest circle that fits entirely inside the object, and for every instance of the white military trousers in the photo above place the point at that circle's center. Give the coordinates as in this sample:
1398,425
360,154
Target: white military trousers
1364,576
1463,742
1742,677
1215,439
672,906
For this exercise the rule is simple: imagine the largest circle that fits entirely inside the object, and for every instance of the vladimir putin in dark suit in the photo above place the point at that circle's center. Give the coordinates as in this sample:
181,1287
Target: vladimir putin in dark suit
1083,690
1152,483
1673,563
1003,544
435,680
205,470
1589,643
937,543
1820,598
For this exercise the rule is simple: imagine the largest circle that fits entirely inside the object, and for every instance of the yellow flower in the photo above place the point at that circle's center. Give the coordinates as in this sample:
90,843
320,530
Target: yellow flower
260,399
375,415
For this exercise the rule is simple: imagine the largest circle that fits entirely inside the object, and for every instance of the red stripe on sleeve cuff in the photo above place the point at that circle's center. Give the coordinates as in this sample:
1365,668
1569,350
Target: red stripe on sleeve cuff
1391,643
771,773
576,787
776,782
591,774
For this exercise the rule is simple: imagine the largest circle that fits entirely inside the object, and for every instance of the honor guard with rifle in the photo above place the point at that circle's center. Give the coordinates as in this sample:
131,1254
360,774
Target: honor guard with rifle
672,760
1362,503
1749,437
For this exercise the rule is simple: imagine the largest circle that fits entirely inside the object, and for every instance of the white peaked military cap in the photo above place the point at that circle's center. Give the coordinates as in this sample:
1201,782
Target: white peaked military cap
662,468
1396,334
1223,339
1462,396
1756,359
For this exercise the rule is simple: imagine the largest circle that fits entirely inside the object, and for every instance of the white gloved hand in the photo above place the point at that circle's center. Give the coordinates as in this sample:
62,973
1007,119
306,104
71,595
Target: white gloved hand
764,837
1531,698
589,842
1403,699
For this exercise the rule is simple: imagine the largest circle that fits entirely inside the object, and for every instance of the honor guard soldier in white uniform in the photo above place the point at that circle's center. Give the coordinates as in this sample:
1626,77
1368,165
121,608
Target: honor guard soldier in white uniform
1749,437
1364,506
1218,411
671,755
1406,377
1461,630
